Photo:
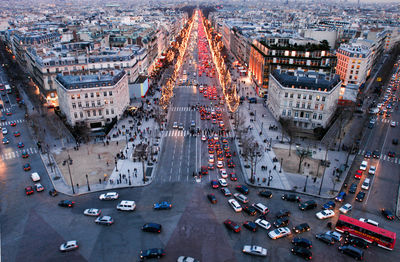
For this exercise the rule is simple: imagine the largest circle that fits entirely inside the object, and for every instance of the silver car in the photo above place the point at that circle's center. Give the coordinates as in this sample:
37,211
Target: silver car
69,245
104,220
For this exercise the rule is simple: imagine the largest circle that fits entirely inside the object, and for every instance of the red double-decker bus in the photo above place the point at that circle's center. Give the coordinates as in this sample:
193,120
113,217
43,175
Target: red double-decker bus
376,235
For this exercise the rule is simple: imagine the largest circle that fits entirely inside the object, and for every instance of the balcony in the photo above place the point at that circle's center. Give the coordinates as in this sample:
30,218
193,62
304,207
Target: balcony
90,107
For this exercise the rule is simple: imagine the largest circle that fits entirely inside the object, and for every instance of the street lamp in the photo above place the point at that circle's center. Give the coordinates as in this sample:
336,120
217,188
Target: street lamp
269,177
305,185
87,181
69,171
116,166
280,168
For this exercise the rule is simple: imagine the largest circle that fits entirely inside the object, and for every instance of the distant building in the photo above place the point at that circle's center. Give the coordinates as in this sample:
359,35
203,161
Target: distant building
308,98
93,100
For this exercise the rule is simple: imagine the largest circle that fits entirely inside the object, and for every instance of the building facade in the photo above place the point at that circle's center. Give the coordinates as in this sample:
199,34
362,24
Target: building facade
308,98
93,100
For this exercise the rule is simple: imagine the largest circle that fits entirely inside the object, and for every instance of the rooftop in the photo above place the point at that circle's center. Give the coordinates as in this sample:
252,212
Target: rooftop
90,81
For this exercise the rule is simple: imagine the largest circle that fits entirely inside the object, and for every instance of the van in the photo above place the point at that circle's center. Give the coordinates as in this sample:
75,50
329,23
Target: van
261,208
369,221
126,205
235,205
242,198
365,184
35,177
352,251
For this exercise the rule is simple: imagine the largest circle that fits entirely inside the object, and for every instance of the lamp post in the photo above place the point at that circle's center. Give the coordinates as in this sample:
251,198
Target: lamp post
305,185
87,181
269,177
323,173
280,168
70,176
116,164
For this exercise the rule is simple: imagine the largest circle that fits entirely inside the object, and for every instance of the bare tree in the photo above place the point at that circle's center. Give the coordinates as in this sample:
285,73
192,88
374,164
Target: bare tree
288,128
302,153
252,153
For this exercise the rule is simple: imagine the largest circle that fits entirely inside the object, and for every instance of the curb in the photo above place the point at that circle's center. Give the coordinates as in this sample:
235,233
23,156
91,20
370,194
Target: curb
398,204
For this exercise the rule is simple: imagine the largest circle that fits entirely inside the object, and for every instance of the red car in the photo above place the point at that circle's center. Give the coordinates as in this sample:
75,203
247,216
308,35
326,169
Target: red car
232,226
230,163
17,133
233,176
13,123
204,171
27,167
29,190
8,114
358,174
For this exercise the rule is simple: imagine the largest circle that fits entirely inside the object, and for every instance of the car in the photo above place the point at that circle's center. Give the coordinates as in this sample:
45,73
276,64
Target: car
372,170
203,138
204,171
27,167
214,184
235,205
16,133
391,154
250,225
8,113
392,123
302,252
242,198
376,154
327,239
329,205
24,154
291,197
279,232
39,187
220,164
283,213
93,212
193,124
104,220
233,176
255,250
162,205
152,253
13,123
69,246
302,242
226,191
369,221
4,131
29,190
211,159
242,189
222,182
5,141
250,210
265,193
152,227
360,196
281,222
109,196
335,235
307,205
345,208
366,183
212,198
353,188
356,242
232,226
20,145
368,154
359,173
341,196
210,166
395,141
187,259
175,125
230,163
301,228
223,173
66,203
263,223
324,214
53,192
352,251
3,118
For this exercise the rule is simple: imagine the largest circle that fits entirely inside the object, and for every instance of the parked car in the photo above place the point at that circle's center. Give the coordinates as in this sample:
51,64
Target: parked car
310,204
335,235
302,242
329,205
250,225
387,214
263,223
291,197
283,213
353,188
325,214
250,210
266,194
327,239
346,208
360,196
302,252
152,253
279,232
301,228
226,191
162,205
255,250
352,251
69,246
242,189
281,222
212,198
232,225
341,197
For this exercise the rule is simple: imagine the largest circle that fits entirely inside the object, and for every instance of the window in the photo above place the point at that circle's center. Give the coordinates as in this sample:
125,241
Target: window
310,97
97,94
91,95
296,114
86,95
297,104
290,103
309,106
72,96
112,111
304,96
320,117
111,102
323,99
307,115
98,102
93,104
289,113
291,95
100,112
314,116
79,104
76,115
322,107
298,96
286,94
105,93
94,112
78,96
110,93
301,114
87,104
303,105
316,106
284,112
107,112
317,98
88,113
73,105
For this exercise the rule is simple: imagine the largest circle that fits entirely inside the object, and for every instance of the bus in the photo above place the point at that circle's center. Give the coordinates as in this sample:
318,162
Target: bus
8,89
372,234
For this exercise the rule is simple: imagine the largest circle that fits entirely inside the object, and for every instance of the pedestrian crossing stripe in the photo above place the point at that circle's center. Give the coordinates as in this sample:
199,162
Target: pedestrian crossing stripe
5,110
187,109
395,160
185,87
177,133
18,153
7,123
385,120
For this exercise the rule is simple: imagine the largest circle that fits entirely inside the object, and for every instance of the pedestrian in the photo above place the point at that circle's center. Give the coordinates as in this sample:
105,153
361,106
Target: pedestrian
99,180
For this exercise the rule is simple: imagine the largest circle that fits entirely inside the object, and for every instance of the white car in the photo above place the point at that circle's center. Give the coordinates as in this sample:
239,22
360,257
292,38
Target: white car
93,212
222,182
203,138
325,214
235,205
186,259
372,170
263,223
279,232
255,250
335,235
242,198
363,165
369,221
366,183
216,137
104,220
109,196
223,173
175,125
220,164
4,131
345,208
392,123
211,159
39,187
69,245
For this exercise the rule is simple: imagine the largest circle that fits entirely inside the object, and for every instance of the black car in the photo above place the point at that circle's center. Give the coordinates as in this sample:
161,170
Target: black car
395,141
242,189
283,213
357,242
302,242
387,214
352,251
281,222
250,210
152,253
212,198
368,154
250,226
310,204
301,228
152,227
376,154
360,196
353,188
325,238
302,252
391,154
291,197
66,203
267,194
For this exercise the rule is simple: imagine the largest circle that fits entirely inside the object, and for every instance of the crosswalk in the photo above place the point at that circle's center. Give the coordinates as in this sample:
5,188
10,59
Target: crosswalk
385,120
7,123
177,133
5,110
18,153
185,87
176,109
395,160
